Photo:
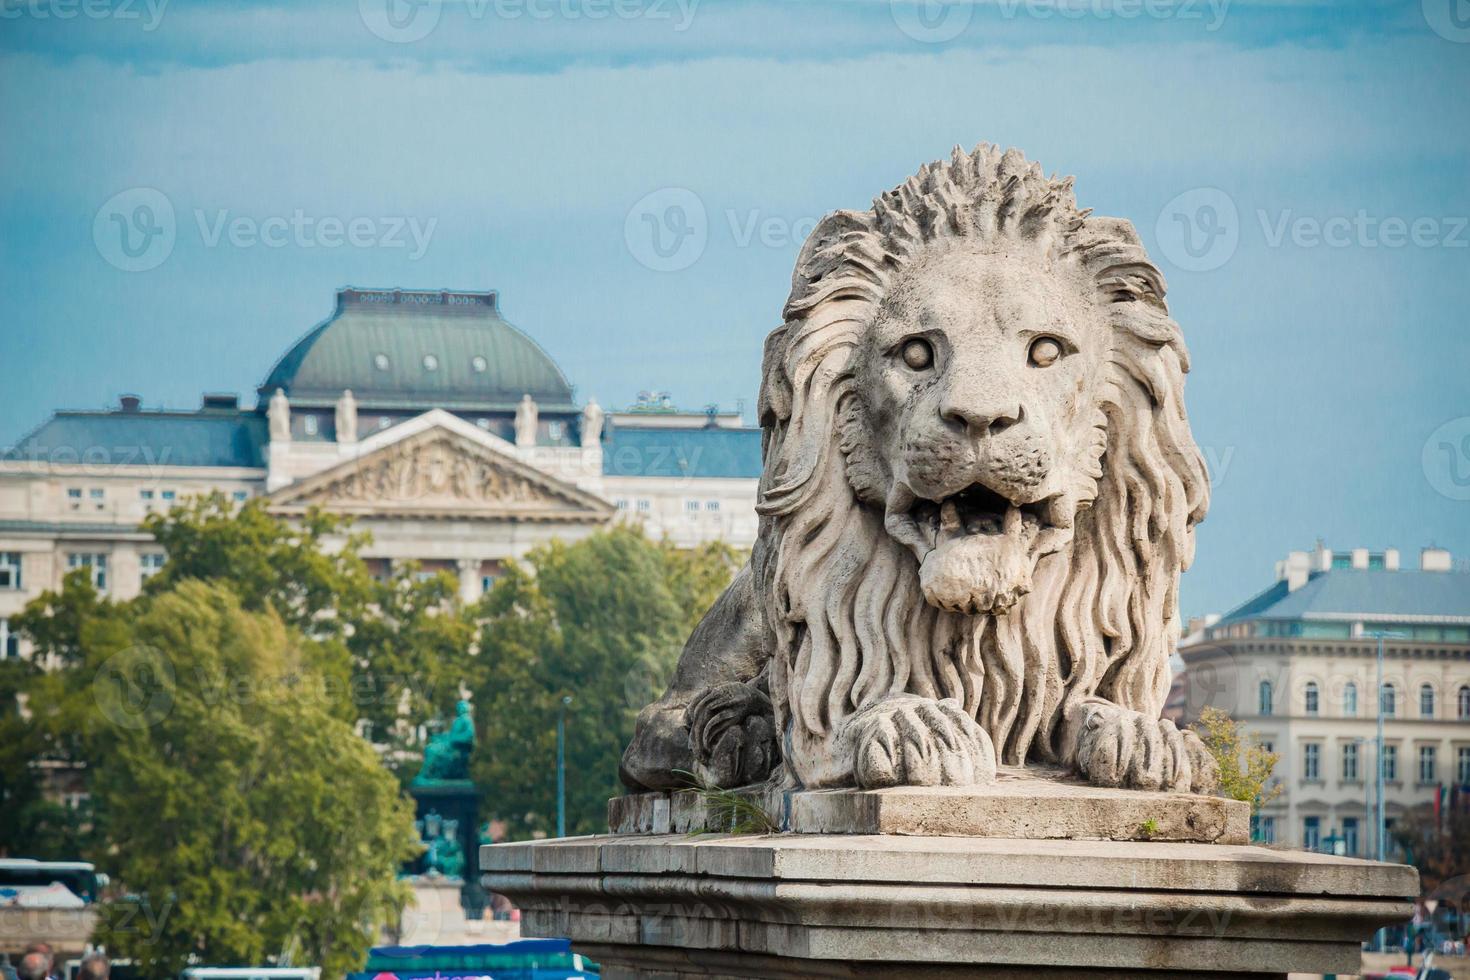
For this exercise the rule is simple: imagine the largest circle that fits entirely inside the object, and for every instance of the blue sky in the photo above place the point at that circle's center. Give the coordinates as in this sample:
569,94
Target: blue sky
1315,156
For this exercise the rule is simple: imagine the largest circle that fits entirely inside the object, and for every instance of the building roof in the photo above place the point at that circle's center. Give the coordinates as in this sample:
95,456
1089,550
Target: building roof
408,349
1363,594
711,452
146,438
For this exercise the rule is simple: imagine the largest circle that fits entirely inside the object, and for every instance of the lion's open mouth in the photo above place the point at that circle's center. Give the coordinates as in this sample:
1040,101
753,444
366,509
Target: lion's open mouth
975,510
976,547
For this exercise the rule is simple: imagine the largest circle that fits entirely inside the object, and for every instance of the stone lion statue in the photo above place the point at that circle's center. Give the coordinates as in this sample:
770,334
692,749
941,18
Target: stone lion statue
979,490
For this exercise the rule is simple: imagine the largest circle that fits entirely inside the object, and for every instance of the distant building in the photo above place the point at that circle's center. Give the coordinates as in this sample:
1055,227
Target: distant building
444,431
1297,665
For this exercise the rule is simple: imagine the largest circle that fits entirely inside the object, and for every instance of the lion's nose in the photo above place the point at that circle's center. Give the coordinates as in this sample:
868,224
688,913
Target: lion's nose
982,418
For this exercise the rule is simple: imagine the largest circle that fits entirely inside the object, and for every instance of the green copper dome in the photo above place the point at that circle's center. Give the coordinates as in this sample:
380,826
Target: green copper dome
408,349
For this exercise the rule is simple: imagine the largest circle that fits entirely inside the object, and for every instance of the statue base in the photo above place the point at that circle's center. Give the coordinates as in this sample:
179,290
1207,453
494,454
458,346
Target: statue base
673,905
457,799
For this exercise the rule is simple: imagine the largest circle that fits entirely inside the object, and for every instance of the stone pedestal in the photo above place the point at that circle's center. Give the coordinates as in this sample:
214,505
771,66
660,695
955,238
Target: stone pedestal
896,904
457,799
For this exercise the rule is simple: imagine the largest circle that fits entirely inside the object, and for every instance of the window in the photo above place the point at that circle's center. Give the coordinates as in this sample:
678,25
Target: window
479,364
241,495
98,497
380,361
1263,829
1427,768
431,363
1389,701
1311,760
1463,701
9,642
487,582
168,495
621,503
1390,763
1350,762
1426,701
644,506
483,423
1350,835
145,495
691,506
74,497
713,506
1462,765
1265,697
1311,833
10,570
1350,700
1311,701
554,431
310,425
96,562
151,564
384,421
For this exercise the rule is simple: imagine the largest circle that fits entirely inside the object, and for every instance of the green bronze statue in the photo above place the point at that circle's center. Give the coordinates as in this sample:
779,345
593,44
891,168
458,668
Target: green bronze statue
447,756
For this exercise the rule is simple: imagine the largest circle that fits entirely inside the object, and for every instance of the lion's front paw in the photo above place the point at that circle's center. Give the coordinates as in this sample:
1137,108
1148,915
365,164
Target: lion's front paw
1118,747
732,731
908,740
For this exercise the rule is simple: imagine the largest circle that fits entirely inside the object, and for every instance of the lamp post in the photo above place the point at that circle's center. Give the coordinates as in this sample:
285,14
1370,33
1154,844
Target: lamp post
1380,829
561,766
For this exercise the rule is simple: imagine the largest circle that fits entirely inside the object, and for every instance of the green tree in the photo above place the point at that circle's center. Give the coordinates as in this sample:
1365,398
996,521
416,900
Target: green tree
1245,764
602,620
241,815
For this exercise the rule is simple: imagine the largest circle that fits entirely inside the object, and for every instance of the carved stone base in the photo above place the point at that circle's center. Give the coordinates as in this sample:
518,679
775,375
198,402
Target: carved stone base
791,905
1029,804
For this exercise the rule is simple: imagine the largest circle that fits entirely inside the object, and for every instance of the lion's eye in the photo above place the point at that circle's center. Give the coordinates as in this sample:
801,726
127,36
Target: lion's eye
917,353
1045,352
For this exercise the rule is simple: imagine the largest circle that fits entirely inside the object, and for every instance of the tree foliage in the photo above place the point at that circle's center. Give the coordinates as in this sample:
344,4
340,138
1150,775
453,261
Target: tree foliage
1439,846
1245,764
603,621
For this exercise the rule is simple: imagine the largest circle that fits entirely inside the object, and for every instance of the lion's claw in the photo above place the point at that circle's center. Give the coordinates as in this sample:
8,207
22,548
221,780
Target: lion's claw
1118,747
907,740
733,734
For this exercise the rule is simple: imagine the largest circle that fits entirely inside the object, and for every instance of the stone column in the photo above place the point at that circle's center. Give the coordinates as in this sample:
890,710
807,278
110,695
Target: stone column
469,579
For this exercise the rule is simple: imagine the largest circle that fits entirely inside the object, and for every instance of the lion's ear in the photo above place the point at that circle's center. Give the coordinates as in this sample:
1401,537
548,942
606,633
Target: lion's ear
822,254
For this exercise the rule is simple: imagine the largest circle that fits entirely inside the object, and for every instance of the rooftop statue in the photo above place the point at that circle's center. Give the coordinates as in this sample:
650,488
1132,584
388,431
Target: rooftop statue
526,414
447,756
980,489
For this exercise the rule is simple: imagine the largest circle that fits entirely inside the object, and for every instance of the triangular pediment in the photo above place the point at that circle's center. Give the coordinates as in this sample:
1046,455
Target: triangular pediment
440,472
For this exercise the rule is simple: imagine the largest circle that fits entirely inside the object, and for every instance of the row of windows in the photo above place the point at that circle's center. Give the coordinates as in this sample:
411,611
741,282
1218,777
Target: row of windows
1352,769
98,496
690,506
1312,700
1298,629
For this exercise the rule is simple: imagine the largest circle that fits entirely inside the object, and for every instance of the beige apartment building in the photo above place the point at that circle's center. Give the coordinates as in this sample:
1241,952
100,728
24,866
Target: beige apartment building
1298,663
444,431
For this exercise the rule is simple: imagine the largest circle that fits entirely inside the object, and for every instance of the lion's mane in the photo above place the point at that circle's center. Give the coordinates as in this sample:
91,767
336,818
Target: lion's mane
842,598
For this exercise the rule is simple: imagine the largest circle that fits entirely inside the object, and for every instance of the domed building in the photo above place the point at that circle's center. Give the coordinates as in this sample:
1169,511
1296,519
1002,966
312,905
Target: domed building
442,429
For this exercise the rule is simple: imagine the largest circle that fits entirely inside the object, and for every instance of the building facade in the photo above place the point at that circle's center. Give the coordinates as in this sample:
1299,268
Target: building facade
1297,664
442,430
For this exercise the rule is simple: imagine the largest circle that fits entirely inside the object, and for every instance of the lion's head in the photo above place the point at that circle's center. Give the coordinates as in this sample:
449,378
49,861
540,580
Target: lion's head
979,478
